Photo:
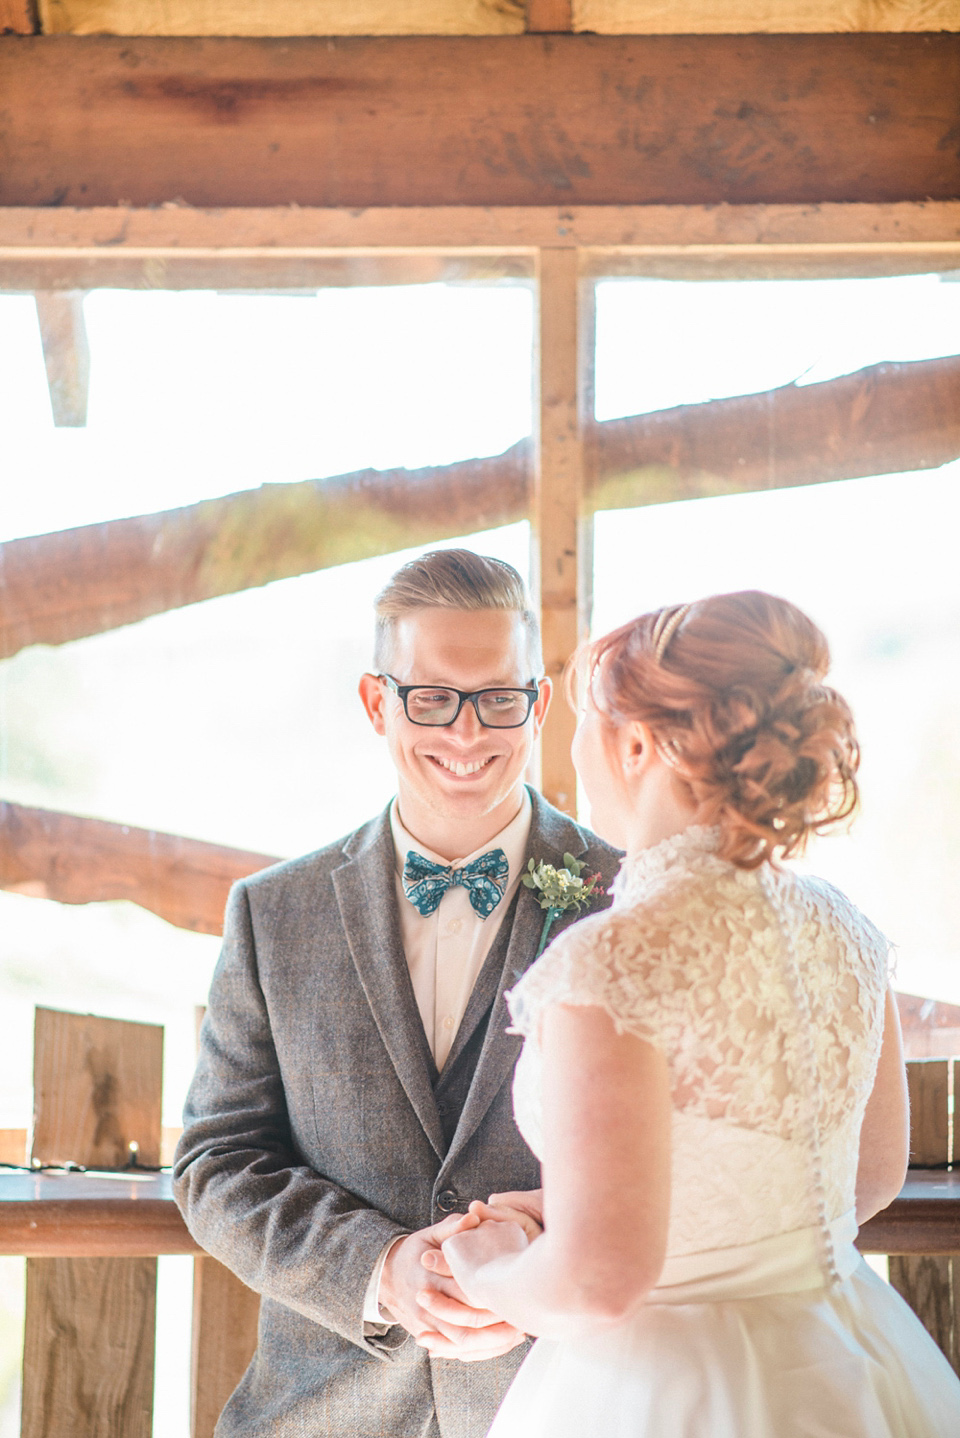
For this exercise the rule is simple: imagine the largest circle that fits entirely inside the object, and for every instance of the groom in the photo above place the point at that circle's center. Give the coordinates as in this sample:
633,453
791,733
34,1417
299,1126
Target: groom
352,1094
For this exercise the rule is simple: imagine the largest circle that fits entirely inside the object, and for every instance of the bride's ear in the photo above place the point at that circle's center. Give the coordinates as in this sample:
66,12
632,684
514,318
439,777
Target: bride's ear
636,748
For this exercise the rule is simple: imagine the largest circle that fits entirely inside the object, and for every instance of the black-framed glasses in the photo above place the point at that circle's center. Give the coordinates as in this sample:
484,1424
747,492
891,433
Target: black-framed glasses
436,705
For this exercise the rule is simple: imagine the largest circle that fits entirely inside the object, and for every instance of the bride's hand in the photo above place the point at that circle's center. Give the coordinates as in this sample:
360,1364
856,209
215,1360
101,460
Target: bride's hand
467,1253
524,1209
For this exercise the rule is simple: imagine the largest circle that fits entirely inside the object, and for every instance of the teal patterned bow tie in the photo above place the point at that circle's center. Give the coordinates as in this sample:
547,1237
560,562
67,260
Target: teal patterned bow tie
485,880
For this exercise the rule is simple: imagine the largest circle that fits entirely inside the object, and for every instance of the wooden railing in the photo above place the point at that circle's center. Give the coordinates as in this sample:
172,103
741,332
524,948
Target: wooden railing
89,1236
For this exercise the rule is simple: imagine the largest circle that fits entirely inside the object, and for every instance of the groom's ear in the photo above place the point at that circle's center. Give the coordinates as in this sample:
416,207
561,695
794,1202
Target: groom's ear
373,696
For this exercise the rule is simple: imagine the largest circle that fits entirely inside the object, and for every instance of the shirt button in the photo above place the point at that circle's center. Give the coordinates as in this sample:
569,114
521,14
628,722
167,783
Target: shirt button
448,1022
454,926
447,1201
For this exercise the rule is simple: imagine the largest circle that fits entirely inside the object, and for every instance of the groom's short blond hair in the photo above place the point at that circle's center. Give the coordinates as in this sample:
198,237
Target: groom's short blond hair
453,579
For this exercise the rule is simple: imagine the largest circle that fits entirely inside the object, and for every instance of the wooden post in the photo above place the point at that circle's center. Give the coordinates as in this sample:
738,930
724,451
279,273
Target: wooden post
562,549
66,354
225,1317
928,1282
90,1323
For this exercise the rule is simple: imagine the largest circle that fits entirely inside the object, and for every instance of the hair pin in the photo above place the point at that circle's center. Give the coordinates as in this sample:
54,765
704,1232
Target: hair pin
665,628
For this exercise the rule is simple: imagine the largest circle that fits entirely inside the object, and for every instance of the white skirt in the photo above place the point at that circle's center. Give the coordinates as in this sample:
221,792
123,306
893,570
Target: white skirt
746,1343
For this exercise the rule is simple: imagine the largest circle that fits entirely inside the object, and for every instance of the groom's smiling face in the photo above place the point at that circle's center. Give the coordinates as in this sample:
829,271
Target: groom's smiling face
459,771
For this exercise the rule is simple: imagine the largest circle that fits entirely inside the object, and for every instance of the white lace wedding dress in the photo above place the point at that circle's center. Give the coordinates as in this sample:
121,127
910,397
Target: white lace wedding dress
765,991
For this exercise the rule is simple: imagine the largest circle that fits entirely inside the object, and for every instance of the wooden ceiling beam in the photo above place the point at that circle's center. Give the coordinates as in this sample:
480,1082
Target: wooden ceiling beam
487,17
75,860
483,121
66,354
881,420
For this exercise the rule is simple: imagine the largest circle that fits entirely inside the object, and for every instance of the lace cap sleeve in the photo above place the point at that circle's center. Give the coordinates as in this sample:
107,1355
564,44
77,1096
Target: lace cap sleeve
602,960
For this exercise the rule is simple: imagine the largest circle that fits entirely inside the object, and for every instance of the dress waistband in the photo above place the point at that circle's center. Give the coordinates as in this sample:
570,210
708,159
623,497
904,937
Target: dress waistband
784,1263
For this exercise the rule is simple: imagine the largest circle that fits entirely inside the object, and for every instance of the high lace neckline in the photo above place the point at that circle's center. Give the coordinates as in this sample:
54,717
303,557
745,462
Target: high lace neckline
639,871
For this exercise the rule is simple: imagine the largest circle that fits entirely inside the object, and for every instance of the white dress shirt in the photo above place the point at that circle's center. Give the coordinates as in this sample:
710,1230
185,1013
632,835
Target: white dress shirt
445,952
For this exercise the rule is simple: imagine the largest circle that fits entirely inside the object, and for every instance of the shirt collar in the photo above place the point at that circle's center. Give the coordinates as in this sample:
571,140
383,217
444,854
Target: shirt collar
512,839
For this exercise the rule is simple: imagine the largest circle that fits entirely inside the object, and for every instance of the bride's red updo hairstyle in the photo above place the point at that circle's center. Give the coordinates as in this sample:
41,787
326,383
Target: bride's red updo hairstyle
732,688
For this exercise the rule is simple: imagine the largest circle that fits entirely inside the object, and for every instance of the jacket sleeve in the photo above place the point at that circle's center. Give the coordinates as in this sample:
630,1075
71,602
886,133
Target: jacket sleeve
247,1198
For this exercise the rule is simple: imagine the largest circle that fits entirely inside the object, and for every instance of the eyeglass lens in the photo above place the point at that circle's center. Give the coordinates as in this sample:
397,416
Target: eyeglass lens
498,708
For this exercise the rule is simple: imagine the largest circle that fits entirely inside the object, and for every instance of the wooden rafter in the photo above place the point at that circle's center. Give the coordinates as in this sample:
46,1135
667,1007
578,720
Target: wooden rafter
883,419
80,861
18,17
484,120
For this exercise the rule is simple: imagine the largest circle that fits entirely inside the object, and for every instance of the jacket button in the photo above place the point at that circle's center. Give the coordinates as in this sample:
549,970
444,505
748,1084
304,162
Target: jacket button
447,1201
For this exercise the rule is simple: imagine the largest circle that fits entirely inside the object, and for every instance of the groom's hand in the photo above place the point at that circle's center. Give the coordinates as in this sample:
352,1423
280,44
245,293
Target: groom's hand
456,1330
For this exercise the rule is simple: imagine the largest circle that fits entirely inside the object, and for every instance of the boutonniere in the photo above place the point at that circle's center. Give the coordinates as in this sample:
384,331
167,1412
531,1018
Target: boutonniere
560,890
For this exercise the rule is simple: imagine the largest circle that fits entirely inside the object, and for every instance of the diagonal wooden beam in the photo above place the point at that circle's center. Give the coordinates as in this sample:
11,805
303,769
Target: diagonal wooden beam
66,354
881,420
81,861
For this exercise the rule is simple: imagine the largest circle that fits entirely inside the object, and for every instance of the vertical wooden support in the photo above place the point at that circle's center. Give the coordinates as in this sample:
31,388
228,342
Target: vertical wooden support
66,354
549,16
90,1323
562,556
225,1316
929,1283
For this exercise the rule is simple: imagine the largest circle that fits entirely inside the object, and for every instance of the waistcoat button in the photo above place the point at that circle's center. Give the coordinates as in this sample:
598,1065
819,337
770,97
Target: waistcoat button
447,1201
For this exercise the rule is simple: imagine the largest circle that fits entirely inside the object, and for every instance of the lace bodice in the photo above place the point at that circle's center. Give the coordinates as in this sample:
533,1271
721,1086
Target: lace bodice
764,990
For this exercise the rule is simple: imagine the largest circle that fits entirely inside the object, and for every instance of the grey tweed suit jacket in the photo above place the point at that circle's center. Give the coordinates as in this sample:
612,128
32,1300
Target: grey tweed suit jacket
317,1128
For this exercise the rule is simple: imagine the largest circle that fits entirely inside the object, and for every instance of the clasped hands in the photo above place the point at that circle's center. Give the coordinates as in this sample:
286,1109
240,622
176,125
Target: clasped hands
427,1282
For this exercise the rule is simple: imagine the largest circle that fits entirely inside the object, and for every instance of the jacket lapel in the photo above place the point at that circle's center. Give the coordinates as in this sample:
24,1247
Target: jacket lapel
366,894
552,835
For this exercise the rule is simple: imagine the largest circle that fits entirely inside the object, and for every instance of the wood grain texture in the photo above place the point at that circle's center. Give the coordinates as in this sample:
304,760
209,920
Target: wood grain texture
88,1348
97,1085
929,1083
885,419
546,17
90,1322
922,233
225,1315
927,1282
557,507
66,355
486,120
18,17
13,1145
80,861
730,17
89,1228
282,17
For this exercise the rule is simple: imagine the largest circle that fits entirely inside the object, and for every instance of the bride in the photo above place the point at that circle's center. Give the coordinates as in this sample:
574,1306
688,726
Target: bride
712,1075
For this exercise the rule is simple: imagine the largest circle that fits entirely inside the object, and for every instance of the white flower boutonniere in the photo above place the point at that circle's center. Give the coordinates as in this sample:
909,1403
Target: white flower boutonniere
559,890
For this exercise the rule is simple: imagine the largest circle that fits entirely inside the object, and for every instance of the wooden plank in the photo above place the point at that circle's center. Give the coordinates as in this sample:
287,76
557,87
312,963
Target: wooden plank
558,507
927,1282
89,1338
97,1085
885,419
282,17
923,1219
225,1316
549,17
80,1215
66,355
13,1145
483,120
744,17
17,17
929,1085
931,1029
80,861
88,1348
161,239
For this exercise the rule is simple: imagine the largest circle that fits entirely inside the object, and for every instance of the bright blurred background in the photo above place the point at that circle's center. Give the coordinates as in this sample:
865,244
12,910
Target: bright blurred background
237,720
